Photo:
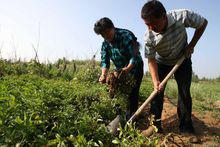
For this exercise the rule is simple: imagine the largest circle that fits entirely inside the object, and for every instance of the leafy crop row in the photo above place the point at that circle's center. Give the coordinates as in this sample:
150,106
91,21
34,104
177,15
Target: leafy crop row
58,104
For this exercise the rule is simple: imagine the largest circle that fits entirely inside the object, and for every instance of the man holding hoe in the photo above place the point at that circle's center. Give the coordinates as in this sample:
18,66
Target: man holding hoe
165,43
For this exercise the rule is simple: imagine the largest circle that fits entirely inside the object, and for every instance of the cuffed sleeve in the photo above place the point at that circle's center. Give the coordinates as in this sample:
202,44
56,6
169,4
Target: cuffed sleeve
149,49
149,52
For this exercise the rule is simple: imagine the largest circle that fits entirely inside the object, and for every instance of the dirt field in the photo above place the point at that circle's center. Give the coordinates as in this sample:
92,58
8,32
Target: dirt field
207,128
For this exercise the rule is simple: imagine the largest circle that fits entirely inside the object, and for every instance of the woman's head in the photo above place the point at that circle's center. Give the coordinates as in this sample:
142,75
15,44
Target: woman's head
105,28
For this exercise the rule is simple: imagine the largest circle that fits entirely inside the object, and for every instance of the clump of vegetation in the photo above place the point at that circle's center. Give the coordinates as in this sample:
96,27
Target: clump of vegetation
57,104
62,103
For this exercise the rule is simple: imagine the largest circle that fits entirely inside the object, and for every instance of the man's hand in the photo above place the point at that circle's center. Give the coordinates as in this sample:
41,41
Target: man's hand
102,79
189,50
157,86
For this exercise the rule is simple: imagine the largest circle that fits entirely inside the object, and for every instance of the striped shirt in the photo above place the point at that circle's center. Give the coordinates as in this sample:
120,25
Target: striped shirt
168,47
122,51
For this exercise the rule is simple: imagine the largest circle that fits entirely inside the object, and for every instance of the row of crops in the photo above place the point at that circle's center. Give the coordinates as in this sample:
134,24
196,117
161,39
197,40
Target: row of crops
59,104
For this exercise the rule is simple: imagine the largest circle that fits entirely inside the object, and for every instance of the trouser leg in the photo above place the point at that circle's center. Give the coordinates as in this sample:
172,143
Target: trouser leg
157,102
134,95
183,78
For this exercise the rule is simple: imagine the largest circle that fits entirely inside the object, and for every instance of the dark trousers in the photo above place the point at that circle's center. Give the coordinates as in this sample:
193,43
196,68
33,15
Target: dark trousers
134,95
183,77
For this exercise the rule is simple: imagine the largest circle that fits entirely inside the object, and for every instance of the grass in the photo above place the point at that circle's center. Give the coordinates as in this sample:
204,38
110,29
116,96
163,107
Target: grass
205,95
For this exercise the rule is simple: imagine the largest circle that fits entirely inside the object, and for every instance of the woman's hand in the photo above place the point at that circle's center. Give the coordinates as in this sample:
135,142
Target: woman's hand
102,79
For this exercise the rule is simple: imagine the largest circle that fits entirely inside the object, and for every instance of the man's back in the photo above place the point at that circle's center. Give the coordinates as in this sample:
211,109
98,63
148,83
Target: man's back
167,47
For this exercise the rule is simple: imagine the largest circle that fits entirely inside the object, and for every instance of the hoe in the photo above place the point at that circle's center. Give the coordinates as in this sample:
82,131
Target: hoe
113,125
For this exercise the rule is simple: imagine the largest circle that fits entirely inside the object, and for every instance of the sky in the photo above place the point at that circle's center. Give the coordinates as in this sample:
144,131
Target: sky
64,28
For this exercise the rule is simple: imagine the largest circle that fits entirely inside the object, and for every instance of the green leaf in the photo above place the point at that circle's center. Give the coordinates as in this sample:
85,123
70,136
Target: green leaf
116,141
100,143
18,120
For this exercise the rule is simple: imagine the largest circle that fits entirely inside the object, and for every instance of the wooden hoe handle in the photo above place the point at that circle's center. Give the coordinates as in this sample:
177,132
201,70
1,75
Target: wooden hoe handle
155,92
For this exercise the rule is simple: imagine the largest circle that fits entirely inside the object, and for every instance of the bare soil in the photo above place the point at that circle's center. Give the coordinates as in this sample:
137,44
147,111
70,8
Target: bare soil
207,128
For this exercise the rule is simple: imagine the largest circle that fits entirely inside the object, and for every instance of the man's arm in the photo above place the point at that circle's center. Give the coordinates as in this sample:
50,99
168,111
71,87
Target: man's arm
153,68
198,33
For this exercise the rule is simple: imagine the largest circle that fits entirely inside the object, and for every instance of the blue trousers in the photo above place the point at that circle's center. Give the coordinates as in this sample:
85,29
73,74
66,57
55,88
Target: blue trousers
183,77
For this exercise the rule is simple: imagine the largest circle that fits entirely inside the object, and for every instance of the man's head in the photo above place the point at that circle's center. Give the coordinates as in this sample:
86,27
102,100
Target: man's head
154,15
105,28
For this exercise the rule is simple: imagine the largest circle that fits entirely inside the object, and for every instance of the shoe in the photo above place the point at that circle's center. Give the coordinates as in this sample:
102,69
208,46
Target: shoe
159,126
159,129
187,131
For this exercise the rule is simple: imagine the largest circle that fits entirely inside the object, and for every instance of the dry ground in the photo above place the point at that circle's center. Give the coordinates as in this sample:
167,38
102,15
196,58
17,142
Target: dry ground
207,128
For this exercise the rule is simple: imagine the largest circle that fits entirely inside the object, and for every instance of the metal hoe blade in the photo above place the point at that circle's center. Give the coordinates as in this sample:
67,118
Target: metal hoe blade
113,125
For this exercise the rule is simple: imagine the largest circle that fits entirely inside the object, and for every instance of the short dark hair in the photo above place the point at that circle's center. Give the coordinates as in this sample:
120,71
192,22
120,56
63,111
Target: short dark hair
103,24
153,8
